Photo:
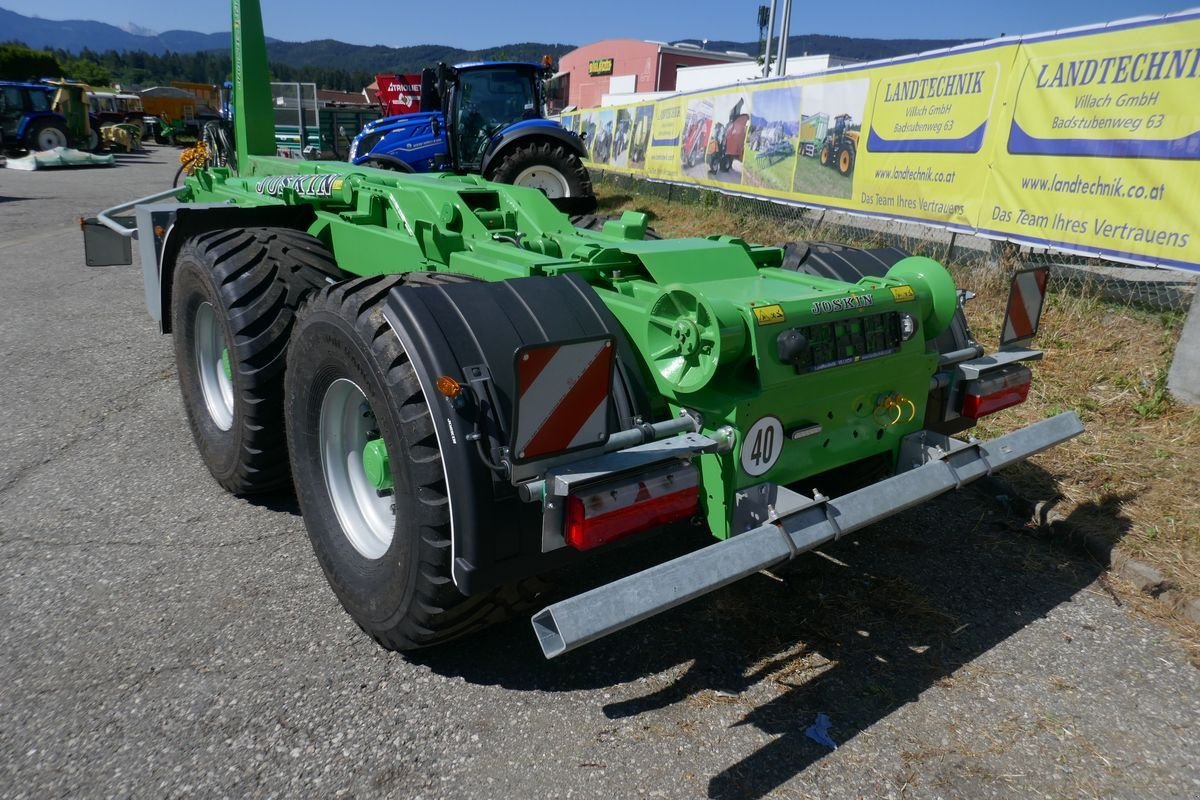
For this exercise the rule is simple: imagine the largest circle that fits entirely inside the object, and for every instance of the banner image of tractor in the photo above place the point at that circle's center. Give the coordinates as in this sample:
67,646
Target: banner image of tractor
727,140
696,128
602,145
830,129
639,138
773,139
622,128
588,128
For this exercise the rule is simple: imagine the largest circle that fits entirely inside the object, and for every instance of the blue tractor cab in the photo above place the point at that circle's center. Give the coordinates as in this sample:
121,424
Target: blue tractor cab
485,118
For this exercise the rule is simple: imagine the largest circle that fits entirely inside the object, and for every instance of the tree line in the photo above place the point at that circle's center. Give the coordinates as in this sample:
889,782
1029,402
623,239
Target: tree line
142,69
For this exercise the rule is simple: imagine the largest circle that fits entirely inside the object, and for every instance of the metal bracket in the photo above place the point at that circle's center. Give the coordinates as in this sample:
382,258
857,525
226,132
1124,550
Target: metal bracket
106,219
970,370
561,480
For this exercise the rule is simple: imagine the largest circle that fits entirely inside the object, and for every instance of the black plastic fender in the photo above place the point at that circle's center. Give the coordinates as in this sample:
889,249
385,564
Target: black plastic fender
552,132
471,332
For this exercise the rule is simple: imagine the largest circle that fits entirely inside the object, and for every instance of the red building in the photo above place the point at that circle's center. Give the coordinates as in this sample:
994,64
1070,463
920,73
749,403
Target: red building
624,65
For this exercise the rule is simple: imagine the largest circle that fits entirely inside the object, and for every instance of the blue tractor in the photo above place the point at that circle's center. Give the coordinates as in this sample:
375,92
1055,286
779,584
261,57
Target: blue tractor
43,116
485,118
28,119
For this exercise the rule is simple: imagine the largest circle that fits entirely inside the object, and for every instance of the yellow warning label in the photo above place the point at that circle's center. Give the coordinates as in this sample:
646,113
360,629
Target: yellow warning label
902,294
769,315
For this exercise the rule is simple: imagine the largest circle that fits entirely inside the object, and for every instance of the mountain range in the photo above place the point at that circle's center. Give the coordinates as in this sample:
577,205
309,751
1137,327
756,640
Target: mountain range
75,35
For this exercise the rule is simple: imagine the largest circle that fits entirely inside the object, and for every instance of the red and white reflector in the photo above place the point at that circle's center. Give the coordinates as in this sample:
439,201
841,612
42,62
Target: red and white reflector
997,389
608,511
562,397
1025,300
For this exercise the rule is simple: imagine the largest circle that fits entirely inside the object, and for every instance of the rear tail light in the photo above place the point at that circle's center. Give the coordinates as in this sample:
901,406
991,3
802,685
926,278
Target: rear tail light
611,510
998,389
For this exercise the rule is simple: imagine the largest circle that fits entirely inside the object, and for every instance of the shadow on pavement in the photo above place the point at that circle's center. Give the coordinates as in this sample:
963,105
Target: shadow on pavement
858,634
284,502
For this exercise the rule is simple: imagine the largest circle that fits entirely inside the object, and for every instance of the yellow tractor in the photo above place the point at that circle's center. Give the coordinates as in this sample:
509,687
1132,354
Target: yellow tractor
841,146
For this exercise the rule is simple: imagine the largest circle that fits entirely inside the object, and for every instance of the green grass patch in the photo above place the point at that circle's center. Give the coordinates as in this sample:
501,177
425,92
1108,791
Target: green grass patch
812,178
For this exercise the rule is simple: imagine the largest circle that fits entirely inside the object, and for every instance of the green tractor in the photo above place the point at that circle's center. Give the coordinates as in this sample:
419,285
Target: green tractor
840,148
467,392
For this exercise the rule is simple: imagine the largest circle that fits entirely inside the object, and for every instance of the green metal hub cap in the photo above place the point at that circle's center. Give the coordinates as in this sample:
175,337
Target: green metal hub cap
377,466
684,339
687,337
226,367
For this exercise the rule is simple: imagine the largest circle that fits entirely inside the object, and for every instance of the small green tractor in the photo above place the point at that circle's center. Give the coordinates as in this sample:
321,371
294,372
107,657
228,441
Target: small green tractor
467,392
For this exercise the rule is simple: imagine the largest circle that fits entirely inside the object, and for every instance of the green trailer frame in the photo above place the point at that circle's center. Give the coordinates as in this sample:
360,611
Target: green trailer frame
726,379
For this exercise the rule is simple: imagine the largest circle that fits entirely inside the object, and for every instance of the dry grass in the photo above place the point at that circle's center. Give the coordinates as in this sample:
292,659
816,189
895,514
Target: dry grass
1133,476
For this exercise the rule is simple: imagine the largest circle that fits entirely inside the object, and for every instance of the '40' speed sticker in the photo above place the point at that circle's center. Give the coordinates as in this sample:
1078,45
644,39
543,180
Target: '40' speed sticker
762,446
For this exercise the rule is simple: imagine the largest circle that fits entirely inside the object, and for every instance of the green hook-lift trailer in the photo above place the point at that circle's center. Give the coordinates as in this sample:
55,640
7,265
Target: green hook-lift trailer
468,392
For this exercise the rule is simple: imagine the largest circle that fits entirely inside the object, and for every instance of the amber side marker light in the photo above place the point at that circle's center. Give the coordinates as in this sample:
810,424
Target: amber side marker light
449,387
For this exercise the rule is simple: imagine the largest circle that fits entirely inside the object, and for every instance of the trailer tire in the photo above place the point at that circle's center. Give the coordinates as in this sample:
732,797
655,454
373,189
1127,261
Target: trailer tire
394,582
545,165
234,298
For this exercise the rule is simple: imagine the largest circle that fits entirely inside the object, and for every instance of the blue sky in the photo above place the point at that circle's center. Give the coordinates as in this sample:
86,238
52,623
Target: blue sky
483,23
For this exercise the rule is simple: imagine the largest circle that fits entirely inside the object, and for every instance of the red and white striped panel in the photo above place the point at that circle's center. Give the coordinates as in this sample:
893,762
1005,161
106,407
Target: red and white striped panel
562,397
1024,306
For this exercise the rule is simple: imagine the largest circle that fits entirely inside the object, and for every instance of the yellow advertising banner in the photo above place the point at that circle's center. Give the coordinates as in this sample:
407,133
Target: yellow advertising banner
1086,140
927,127
1099,148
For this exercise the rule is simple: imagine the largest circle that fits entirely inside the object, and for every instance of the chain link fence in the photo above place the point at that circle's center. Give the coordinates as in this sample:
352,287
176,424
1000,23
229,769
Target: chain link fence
771,222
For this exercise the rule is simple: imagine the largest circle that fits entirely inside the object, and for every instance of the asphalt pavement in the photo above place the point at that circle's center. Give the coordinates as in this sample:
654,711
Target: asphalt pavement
160,638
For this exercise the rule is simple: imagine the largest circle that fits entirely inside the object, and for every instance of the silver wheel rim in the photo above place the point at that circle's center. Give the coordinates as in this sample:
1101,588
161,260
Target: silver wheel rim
367,519
209,347
50,138
550,181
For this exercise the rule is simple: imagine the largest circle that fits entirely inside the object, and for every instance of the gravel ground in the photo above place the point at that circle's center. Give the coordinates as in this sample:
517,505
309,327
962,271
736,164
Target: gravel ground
161,638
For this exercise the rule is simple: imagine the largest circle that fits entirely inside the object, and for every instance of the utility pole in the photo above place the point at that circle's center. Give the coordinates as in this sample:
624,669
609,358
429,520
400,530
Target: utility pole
770,35
785,31
763,17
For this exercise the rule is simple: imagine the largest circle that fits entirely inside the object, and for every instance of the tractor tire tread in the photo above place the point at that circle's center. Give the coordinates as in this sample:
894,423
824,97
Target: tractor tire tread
439,612
523,155
261,276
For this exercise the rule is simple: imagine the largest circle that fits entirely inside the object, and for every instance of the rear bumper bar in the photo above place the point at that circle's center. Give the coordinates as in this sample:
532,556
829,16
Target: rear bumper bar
799,524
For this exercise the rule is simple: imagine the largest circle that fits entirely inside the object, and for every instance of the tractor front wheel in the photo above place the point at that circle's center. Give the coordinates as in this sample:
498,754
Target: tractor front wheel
233,304
547,166
826,155
368,472
45,135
